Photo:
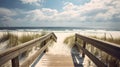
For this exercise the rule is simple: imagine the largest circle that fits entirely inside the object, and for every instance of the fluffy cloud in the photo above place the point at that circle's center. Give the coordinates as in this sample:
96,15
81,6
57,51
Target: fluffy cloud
69,6
44,14
35,2
7,12
49,12
94,11
11,17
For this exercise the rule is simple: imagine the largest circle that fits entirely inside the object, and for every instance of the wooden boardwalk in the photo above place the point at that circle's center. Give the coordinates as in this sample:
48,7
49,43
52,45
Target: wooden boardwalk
59,60
59,55
55,60
49,60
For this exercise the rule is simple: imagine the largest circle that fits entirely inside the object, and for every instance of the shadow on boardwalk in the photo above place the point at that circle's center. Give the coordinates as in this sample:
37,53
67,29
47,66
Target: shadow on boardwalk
37,60
77,59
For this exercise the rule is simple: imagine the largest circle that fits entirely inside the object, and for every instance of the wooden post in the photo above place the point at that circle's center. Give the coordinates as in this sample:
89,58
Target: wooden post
105,36
51,37
112,62
75,37
15,62
43,44
111,36
84,46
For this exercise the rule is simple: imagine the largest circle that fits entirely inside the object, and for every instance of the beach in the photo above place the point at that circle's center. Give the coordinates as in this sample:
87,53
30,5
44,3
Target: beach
60,48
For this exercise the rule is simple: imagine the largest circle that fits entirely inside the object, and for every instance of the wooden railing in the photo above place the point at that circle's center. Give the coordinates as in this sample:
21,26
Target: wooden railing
13,53
110,48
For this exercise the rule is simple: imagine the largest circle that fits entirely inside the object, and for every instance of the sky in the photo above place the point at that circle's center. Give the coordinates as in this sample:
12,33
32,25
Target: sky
60,13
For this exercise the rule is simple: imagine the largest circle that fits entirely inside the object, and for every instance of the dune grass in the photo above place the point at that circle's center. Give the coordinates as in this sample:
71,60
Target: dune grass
14,39
106,58
103,56
4,37
70,40
116,41
27,37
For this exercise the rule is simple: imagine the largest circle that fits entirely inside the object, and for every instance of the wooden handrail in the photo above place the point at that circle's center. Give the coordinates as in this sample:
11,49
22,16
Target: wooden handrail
110,48
14,52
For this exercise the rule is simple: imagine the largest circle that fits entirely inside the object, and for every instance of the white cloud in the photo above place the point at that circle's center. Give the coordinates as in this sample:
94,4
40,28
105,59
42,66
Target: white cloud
69,6
94,11
49,12
35,2
7,12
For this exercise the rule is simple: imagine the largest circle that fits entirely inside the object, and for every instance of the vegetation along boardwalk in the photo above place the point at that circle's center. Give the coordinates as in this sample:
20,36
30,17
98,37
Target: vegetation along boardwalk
60,55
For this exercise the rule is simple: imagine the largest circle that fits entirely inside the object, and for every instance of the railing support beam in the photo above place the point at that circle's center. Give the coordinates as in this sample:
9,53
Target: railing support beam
84,46
15,62
13,53
110,48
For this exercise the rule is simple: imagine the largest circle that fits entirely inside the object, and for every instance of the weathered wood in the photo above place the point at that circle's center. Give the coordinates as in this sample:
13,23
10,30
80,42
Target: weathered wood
32,58
110,48
75,37
42,44
92,57
84,46
17,50
54,37
51,60
15,62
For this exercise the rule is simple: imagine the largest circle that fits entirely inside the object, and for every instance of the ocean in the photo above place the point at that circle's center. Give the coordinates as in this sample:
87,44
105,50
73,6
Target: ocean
57,28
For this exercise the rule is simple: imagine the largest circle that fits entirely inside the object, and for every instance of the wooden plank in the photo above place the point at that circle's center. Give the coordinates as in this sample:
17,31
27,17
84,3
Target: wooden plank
92,57
84,46
77,59
110,48
15,62
17,50
50,60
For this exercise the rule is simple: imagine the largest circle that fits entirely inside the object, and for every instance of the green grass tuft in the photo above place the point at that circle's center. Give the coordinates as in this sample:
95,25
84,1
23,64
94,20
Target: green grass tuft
70,40
13,40
4,37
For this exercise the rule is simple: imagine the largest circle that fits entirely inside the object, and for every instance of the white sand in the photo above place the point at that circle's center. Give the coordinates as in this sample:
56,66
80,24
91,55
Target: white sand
59,47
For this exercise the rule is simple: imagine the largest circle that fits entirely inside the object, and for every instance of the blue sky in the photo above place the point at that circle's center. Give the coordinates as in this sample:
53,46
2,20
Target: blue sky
62,13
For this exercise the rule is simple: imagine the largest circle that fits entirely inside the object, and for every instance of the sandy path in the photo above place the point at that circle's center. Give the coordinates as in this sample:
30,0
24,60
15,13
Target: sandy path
59,47
59,54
